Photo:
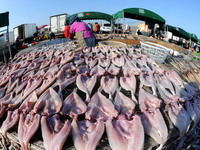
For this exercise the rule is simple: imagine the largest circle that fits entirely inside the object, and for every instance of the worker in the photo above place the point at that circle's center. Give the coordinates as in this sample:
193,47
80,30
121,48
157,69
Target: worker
90,26
97,27
127,28
156,31
51,36
17,39
139,32
82,31
67,35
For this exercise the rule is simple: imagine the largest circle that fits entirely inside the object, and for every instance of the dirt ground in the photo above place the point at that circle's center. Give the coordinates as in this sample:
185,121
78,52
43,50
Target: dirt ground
135,40
126,41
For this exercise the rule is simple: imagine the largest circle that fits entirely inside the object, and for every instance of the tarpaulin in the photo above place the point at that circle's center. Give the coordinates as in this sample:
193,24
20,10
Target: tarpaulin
4,19
91,16
140,14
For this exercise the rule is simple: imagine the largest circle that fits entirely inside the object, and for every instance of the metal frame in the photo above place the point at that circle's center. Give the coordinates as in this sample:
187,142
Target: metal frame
9,42
7,36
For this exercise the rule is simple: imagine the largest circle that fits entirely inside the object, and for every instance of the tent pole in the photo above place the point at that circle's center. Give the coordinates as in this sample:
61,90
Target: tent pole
124,24
118,27
113,26
167,33
9,43
111,22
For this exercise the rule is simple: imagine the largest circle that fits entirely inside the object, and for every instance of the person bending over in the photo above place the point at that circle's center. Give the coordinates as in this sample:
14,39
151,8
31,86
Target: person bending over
81,29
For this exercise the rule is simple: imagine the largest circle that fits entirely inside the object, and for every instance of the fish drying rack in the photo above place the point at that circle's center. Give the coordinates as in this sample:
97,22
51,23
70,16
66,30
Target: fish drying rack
156,51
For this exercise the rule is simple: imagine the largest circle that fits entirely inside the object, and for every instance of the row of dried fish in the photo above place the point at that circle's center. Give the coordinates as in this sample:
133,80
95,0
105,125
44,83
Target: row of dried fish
189,70
29,92
115,36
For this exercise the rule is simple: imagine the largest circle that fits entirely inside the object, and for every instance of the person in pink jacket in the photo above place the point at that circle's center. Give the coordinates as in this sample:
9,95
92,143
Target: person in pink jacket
81,29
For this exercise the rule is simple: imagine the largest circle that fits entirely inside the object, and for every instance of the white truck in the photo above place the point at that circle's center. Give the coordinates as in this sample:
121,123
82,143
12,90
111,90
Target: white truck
57,24
24,32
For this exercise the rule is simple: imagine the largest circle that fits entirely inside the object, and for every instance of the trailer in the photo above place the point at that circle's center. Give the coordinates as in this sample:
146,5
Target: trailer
57,24
24,32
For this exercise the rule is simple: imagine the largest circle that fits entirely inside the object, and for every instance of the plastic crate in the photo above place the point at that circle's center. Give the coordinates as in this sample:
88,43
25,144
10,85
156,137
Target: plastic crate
156,51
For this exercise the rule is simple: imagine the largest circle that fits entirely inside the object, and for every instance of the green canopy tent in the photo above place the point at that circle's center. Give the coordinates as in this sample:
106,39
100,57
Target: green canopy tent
140,14
177,31
199,41
193,37
90,15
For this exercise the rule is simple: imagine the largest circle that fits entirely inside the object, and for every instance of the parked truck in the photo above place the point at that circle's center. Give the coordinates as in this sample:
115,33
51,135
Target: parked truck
57,24
24,32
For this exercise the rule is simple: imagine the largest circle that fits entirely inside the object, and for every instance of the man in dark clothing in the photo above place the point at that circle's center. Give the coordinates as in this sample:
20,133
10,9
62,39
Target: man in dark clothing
139,32
52,36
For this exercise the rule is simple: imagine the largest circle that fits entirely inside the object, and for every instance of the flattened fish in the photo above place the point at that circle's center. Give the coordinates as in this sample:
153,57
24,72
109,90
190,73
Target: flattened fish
86,134
124,134
54,132
28,125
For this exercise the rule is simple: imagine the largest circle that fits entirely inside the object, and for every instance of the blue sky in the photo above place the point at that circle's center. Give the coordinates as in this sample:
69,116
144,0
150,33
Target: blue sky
181,13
